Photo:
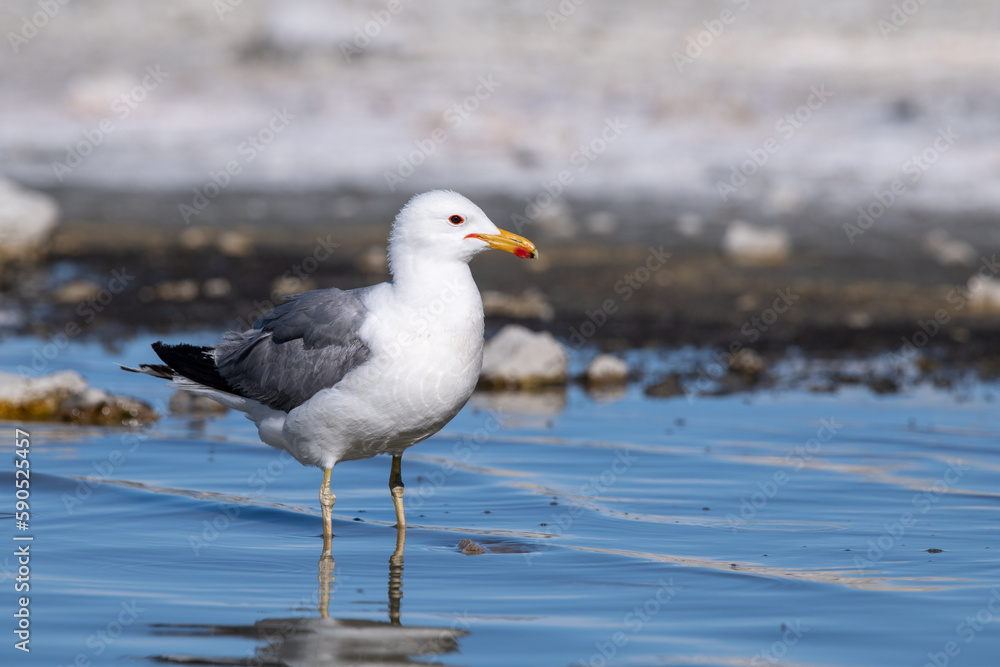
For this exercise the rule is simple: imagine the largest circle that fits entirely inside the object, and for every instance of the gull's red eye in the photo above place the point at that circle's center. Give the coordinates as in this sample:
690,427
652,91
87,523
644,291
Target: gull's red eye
456,219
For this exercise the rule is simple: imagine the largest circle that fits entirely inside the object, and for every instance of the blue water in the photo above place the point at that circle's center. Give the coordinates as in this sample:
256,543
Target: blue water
776,527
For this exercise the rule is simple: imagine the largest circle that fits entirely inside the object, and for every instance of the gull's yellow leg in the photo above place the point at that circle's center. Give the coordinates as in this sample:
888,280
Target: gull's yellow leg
396,579
326,501
325,580
396,487
396,560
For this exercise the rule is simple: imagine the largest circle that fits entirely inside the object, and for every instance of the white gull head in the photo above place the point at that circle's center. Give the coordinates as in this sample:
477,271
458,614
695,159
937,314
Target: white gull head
442,226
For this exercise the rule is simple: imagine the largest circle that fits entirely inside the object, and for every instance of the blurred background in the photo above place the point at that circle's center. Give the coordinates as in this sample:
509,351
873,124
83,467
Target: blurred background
768,274
861,136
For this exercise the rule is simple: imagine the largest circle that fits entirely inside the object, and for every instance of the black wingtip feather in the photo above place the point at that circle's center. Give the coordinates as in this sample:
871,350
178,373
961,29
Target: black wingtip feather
195,363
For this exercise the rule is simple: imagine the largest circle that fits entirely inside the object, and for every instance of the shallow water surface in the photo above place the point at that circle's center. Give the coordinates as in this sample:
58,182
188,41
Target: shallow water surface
776,527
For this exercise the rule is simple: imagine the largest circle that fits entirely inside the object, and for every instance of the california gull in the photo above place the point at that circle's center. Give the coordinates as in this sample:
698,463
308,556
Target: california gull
333,375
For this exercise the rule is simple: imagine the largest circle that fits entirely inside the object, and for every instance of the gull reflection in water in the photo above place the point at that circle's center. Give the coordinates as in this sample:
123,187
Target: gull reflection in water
311,641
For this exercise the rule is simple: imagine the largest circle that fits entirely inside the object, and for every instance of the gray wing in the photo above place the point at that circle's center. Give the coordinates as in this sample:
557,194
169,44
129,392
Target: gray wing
307,344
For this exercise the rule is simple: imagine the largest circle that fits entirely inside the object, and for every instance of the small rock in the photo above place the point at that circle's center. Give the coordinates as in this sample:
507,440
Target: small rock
883,385
947,250
26,220
783,197
750,245
984,294
519,357
733,383
665,388
530,304
522,408
555,220
66,397
858,319
606,393
216,288
989,368
195,238
606,369
601,222
373,261
346,206
95,92
76,291
690,224
747,302
234,244
748,363
470,548
181,290
289,285
846,378
927,365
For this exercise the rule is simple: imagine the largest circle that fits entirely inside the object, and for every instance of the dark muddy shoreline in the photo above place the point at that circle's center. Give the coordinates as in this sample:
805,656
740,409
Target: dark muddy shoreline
111,277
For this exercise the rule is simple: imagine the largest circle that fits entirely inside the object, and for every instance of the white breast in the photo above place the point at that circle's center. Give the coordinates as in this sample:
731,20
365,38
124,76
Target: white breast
426,355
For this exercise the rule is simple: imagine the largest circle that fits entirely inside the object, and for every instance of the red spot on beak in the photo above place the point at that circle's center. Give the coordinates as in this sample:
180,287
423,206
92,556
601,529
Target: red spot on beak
522,253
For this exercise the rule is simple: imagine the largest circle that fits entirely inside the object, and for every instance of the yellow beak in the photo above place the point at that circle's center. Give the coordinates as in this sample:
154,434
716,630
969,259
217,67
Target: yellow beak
511,243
